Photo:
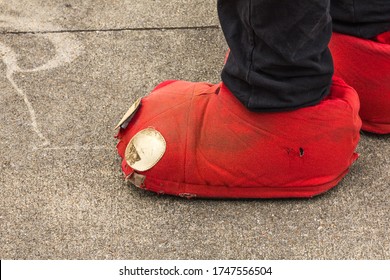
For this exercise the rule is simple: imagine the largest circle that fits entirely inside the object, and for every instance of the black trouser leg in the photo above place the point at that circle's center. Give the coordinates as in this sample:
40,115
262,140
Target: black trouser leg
361,18
279,57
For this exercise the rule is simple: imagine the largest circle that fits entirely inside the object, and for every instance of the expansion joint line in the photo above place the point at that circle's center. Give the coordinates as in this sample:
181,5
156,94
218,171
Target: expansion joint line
110,30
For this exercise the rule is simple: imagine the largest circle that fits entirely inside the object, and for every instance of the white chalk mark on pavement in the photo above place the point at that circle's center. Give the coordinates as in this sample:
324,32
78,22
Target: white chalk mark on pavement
67,48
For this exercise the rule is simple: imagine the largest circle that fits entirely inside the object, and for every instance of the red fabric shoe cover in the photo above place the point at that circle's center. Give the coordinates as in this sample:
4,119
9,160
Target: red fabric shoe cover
383,38
365,65
216,148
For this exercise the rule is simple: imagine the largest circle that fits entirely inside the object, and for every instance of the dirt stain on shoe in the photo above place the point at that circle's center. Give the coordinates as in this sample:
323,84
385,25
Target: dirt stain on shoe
132,155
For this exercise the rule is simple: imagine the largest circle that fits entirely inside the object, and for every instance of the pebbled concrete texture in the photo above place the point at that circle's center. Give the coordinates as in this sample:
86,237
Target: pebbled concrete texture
68,200
116,14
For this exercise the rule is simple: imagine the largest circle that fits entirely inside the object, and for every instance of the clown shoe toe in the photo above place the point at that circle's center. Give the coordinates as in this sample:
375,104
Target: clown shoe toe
197,140
365,65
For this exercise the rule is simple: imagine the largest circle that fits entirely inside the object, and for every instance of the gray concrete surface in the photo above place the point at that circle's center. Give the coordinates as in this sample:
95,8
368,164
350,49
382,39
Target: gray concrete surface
62,191
114,14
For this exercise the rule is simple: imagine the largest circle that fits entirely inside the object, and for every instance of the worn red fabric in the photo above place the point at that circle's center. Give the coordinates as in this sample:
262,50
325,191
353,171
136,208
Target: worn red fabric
216,148
365,65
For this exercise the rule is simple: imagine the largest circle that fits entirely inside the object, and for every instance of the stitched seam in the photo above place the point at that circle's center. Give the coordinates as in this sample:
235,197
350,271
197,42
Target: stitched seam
186,141
160,114
354,18
252,41
256,187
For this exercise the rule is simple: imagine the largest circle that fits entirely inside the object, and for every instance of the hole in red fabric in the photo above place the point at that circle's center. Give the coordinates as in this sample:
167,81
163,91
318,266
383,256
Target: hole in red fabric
301,152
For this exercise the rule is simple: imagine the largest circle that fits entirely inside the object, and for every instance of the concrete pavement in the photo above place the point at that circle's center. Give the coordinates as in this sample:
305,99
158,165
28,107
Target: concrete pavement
68,72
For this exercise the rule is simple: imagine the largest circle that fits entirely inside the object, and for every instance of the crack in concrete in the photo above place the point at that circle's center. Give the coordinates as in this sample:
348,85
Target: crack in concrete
74,147
110,30
67,49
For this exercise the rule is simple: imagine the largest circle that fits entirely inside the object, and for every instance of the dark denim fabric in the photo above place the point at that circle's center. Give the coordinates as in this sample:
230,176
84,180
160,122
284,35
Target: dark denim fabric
361,18
279,57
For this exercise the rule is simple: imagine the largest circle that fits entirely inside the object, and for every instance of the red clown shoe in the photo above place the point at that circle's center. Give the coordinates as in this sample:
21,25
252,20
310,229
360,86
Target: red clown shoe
197,140
365,65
